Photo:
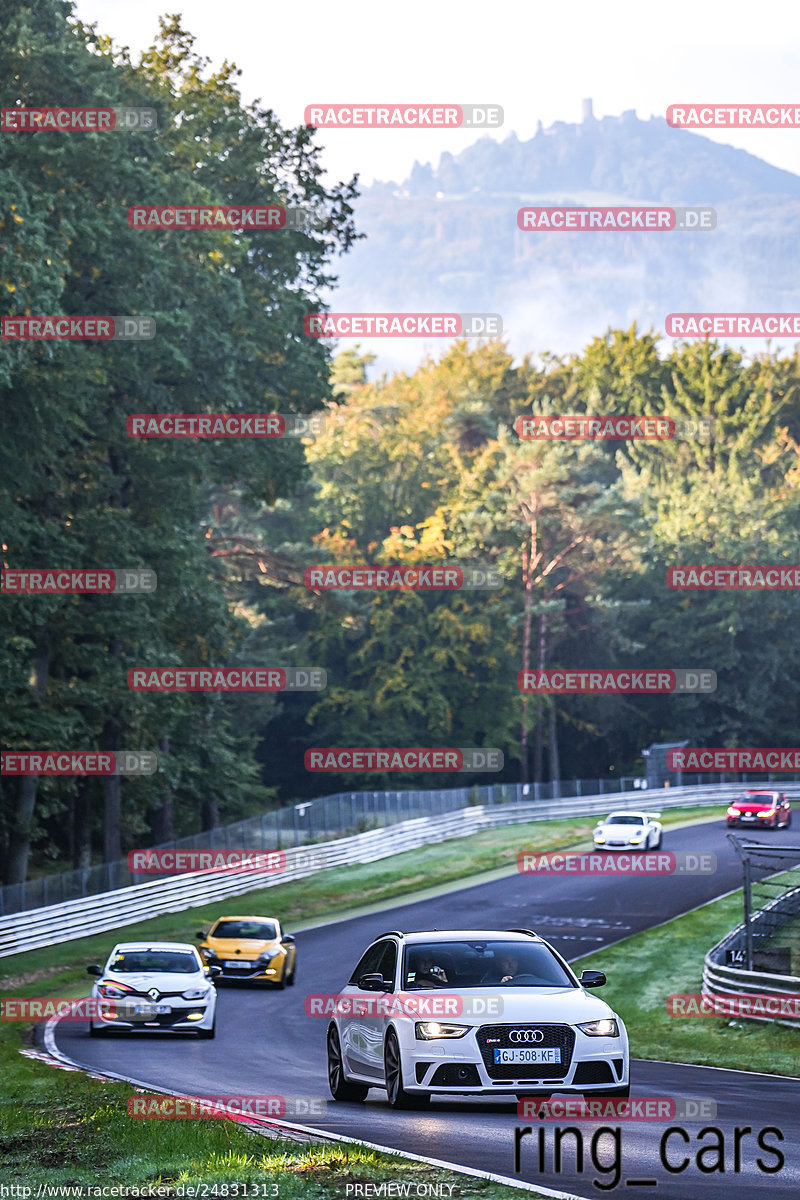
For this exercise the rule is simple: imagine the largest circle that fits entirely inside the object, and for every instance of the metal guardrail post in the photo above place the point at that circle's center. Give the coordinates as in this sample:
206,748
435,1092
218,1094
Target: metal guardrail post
748,928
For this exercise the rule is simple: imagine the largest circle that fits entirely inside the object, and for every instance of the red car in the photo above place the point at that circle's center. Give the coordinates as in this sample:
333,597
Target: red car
768,810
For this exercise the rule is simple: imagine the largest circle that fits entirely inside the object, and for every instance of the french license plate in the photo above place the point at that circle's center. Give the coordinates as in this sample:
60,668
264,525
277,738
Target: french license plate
237,962
748,816
528,1054
151,1010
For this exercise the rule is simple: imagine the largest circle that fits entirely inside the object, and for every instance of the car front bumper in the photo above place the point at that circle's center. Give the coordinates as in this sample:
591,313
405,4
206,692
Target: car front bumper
185,1016
438,1066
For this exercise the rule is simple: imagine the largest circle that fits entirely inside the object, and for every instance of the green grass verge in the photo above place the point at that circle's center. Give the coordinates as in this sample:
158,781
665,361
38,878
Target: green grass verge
647,967
60,1127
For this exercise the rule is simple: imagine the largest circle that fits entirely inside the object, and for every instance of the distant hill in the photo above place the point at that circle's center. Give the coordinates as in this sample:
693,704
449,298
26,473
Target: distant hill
446,238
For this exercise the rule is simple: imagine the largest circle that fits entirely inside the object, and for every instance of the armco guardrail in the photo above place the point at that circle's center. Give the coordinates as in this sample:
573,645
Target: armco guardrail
722,980
319,820
126,906
339,815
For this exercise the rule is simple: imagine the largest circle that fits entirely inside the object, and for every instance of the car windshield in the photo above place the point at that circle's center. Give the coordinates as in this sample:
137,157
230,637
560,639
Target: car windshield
178,962
756,798
624,819
262,931
480,963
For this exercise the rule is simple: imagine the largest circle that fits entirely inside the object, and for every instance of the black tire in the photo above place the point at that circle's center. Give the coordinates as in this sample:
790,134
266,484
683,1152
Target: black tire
397,1095
97,1030
209,1033
290,980
658,843
341,1088
788,821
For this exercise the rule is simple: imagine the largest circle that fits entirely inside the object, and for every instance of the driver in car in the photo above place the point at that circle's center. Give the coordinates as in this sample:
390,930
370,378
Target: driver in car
509,966
426,971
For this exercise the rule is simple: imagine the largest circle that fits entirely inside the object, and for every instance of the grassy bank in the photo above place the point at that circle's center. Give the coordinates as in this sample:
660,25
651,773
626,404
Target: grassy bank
60,1127
647,967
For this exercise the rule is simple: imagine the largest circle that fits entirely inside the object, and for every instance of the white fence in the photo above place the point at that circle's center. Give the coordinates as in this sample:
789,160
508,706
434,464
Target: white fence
127,906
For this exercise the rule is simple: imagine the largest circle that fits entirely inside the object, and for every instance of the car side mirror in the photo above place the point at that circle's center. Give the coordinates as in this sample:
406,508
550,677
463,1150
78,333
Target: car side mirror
287,939
592,979
372,983
94,969
214,971
201,935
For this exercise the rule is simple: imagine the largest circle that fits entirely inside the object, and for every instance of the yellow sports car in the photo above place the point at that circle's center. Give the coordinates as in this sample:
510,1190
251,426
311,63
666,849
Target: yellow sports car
250,948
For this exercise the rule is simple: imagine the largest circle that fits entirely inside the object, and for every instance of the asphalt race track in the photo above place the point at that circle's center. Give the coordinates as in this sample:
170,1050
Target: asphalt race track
265,1045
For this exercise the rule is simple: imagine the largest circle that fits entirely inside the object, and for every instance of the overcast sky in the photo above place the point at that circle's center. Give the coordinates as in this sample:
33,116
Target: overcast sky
537,60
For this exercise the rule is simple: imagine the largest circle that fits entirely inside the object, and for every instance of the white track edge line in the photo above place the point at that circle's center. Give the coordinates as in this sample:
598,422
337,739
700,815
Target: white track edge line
53,1050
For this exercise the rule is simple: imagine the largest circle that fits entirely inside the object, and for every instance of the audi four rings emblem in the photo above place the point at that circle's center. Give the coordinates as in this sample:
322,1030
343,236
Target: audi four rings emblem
526,1035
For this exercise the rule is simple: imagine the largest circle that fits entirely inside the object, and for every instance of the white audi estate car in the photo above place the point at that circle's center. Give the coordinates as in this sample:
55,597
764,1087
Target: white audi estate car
162,986
628,831
472,1013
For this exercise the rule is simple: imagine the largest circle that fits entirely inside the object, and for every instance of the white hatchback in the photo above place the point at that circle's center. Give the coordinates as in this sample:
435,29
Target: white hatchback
162,986
472,1013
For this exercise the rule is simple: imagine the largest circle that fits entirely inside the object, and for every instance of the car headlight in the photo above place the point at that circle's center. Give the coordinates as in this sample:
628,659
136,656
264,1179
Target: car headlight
605,1027
207,952
599,835
196,993
637,837
733,812
425,1031
113,991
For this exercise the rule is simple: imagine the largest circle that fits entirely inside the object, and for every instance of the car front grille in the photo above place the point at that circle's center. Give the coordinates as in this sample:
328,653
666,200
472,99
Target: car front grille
561,1036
